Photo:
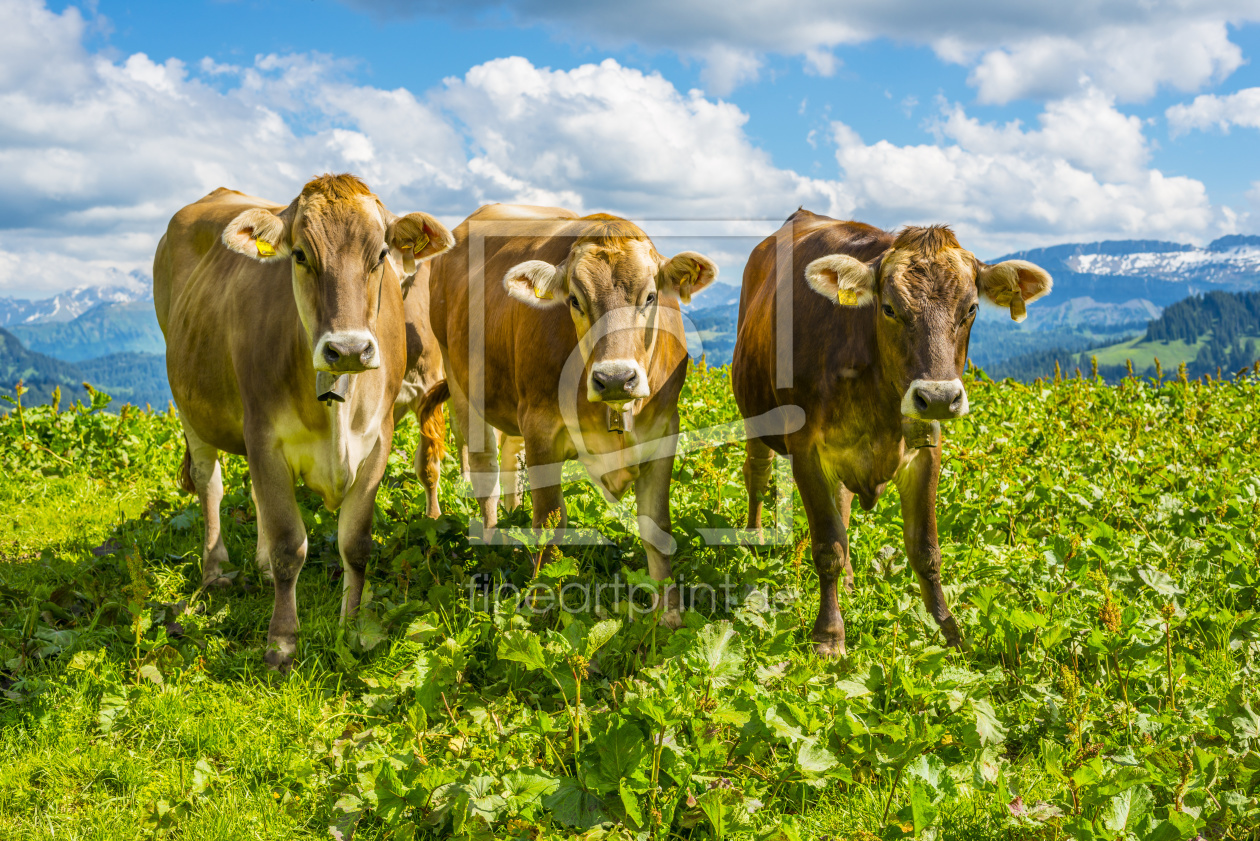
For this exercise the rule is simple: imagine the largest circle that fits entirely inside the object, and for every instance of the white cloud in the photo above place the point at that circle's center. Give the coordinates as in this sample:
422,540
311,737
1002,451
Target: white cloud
1211,111
1130,61
96,153
615,138
1081,175
1130,48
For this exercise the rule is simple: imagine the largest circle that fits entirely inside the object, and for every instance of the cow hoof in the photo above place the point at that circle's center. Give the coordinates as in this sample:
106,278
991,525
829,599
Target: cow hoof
830,648
279,656
672,619
953,636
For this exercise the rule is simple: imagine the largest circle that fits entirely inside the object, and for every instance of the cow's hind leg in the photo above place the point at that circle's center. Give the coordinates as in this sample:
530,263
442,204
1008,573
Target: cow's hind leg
432,446
844,503
830,545
758,463
354,525
281,547
202,472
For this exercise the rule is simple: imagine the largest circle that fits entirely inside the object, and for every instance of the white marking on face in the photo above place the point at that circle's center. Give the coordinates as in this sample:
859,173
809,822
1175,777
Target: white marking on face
346,351
616,381
935,400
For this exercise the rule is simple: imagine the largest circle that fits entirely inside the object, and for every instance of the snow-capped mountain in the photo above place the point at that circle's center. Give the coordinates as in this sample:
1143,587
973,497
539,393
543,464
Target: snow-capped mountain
69,305
1117,272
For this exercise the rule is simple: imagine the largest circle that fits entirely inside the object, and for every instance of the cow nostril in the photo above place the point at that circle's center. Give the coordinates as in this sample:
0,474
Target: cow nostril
957,402
368,352
331,353
632,380
600,380
920,404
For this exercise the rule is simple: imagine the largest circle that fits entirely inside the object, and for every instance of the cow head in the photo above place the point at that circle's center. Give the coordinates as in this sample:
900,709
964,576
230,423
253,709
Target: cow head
342,244
613,282
923,294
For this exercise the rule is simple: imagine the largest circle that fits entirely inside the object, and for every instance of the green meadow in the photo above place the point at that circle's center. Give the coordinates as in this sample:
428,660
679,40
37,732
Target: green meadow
1100,553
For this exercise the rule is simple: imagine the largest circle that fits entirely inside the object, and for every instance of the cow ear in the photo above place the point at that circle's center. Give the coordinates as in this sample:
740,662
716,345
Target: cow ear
843,279
259,234
685,274
415,238
536,283
1013,283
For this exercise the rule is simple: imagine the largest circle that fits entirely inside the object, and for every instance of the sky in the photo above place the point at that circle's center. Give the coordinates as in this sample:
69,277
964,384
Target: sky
1020,124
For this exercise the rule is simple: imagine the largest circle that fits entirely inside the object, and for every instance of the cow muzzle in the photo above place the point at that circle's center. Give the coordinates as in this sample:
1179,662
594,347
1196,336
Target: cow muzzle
346,352
935,400
616,382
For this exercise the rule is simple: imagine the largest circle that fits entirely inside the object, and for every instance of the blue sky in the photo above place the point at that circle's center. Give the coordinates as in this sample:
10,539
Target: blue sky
1022,125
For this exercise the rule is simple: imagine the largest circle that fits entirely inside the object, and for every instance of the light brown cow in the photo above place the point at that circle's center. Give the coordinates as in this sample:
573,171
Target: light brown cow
424,373
878,342
581,322
258,303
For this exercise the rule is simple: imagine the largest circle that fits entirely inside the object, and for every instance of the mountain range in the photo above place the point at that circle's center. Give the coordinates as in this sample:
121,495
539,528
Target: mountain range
1105,293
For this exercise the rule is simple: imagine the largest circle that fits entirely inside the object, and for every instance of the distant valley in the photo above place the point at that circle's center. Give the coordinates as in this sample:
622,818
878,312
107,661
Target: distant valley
104,335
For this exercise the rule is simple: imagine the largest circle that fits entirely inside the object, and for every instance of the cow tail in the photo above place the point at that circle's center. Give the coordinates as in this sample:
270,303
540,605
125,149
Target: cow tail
433,422
185,471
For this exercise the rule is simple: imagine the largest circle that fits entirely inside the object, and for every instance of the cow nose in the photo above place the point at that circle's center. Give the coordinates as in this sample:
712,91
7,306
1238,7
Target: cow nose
615,381
935,400
612,382
349,354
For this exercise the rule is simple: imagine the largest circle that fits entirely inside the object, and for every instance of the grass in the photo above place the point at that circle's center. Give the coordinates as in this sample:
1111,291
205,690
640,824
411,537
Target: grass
1096,541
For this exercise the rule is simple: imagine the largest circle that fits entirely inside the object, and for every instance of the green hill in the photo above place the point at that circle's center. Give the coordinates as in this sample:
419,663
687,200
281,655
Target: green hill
105,329
136,378
39,373
1217,331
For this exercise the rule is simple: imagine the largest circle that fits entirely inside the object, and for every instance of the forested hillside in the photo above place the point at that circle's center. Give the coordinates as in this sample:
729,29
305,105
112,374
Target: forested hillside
136,378
1219,330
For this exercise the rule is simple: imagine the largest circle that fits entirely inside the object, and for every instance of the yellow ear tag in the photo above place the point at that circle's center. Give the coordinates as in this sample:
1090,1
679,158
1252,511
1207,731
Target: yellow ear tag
265,249
847,297
1018,311
542,296
420,243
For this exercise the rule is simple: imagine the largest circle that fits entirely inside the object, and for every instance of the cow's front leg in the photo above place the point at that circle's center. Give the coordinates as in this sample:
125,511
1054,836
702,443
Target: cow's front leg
651,492
916,483
482,462
510,450
830,546
758,464
281,546
544,466
354,525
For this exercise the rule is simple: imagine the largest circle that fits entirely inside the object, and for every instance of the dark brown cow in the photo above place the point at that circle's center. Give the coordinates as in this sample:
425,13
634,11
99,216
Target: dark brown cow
259,302
878,342
582,333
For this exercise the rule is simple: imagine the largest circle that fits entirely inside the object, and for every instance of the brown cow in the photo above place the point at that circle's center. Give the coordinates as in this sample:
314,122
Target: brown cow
582,335
260,302
878,342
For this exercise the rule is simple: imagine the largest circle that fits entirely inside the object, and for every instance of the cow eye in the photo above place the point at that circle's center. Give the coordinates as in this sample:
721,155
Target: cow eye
384,254
299,256
889,311
651,299
573,302
973,309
